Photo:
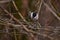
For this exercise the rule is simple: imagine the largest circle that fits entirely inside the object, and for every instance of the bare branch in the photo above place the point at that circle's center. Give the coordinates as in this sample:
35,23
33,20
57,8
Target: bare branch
18,11
6,1
40,5
52,11
26,29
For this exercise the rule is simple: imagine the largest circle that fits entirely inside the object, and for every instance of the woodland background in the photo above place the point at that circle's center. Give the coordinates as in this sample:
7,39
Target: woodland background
15,23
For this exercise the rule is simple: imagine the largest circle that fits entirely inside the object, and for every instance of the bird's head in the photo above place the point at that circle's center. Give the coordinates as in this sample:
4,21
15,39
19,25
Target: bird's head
33,16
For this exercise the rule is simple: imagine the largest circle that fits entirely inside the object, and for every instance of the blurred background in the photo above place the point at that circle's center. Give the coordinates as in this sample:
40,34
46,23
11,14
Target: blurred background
16,24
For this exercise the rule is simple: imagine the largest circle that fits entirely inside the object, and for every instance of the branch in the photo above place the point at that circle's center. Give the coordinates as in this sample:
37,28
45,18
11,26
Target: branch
53,7
14,18
30,31
26,29
1,2
40,5
52,11
19,12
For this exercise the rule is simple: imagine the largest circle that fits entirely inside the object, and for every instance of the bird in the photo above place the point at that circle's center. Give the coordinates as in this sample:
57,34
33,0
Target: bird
34,16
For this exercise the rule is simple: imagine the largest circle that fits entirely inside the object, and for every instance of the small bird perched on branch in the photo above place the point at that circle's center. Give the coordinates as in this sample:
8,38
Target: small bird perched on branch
34,16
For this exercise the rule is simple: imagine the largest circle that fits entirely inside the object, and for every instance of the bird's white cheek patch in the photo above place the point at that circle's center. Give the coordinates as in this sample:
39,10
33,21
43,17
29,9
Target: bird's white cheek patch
31,14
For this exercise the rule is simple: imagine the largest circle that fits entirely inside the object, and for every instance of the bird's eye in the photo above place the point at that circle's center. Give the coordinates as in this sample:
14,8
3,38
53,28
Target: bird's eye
34,14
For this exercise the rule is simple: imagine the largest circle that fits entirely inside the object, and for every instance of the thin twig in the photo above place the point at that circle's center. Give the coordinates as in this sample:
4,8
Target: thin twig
39,9
15,34
19,12
52,11
13,18
16,20
30,31
40,5
53,7
21,16
1,2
